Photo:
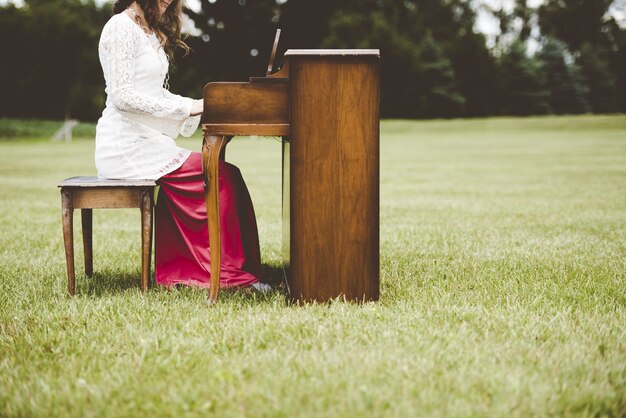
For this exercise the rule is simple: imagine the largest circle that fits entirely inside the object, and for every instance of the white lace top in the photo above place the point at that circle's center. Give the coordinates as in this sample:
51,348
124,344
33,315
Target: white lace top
134,136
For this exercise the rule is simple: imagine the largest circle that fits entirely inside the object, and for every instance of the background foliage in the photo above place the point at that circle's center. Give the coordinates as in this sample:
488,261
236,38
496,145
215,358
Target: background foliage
434,63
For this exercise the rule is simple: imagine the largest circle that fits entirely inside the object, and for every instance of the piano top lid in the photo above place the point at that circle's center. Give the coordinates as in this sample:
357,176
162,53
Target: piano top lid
335,52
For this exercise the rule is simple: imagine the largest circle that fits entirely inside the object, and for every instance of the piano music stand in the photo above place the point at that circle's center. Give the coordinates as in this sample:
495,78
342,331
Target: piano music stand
270,66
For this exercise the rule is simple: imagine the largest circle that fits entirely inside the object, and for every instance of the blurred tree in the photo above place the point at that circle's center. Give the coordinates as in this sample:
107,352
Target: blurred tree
615,51
600,81
515,25
53,46
566,87
305,22
505,27
524,14
522,87
439,95
574,21
594,26
476,72
474,68
14,68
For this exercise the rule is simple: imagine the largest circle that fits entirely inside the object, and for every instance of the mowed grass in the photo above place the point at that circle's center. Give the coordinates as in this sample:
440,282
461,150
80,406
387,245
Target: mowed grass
503,290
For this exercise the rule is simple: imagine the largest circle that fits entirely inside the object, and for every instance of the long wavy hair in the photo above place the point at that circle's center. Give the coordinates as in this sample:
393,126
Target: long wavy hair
167,26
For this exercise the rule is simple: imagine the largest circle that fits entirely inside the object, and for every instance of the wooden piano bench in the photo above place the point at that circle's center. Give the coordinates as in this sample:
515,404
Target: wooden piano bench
87,193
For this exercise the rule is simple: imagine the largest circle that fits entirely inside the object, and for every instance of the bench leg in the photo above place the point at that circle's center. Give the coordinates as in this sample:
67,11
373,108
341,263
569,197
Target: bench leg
67,210
146,237
86,220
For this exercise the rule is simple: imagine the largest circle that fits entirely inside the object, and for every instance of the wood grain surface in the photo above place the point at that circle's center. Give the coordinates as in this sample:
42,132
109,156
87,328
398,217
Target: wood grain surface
333,170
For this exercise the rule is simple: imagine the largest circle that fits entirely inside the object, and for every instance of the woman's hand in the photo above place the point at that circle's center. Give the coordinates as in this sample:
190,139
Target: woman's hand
197,107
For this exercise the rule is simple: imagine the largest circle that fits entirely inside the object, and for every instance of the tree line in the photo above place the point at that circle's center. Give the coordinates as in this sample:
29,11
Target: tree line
434,63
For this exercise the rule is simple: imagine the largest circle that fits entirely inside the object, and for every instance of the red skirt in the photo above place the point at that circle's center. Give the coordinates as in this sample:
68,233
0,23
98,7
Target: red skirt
181,231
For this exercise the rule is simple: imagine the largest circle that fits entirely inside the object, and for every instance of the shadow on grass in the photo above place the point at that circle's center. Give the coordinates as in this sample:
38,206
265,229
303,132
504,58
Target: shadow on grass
112,282
107,282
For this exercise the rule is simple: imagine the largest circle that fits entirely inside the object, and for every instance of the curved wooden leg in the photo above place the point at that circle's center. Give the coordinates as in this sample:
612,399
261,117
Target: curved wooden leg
67,209
212,149
146,237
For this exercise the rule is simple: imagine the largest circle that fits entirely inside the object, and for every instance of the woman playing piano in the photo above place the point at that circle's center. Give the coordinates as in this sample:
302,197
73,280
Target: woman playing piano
135,140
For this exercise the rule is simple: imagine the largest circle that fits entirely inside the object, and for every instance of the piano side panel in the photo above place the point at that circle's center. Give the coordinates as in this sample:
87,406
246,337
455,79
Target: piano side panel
334,183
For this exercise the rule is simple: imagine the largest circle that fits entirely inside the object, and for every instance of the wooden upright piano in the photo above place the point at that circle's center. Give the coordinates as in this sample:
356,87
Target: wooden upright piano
325,105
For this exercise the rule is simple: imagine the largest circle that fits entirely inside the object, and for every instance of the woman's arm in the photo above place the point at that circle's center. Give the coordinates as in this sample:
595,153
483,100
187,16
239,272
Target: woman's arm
197,106
190,124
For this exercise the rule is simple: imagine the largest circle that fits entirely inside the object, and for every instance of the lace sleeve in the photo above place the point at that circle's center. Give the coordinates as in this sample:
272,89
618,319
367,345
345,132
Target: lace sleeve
191,124
119,43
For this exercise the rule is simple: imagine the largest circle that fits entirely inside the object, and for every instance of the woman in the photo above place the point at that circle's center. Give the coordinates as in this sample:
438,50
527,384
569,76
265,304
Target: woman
134,140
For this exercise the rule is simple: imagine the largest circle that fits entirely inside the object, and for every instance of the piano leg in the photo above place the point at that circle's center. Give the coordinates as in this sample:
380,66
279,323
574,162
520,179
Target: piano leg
213,148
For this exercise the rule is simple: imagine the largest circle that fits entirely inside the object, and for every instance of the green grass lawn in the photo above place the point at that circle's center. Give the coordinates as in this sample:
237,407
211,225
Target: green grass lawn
503,289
